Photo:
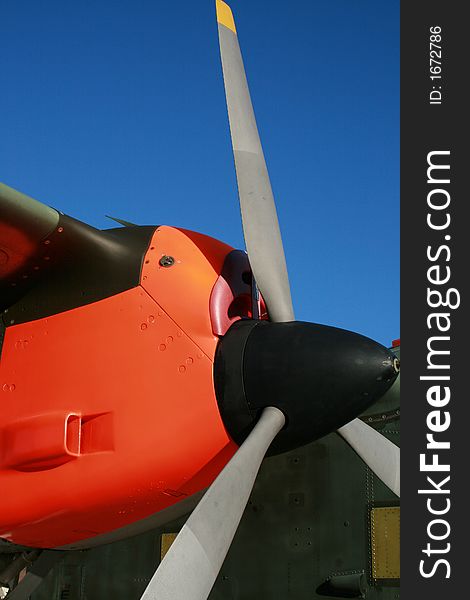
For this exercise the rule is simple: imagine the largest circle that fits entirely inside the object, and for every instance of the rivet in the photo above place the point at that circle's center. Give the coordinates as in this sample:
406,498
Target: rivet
166,261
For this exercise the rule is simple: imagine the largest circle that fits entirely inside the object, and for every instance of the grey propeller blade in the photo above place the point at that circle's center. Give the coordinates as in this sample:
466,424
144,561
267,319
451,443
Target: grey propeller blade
260,223
193,562
380,454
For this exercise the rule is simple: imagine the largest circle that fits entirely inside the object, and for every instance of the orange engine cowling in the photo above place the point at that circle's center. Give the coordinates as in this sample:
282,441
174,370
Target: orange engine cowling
108,412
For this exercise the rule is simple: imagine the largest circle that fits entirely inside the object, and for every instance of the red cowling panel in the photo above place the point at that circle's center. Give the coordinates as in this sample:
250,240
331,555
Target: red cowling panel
108,412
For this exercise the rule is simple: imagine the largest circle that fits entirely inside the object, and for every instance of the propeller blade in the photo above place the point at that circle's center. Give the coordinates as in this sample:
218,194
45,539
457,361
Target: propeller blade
259,217
193,562
380,454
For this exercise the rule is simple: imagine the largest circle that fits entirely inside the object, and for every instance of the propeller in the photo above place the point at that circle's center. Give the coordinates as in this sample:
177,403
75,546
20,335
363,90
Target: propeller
279,384
260,224
380,454
192,564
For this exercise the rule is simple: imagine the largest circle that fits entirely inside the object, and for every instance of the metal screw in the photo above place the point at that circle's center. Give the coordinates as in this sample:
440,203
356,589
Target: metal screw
167,261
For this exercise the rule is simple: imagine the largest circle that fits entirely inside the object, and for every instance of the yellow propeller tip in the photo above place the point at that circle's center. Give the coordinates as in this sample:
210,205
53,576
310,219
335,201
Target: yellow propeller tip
224,15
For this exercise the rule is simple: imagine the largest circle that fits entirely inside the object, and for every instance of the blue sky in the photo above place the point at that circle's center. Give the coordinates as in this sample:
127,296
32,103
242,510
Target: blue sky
117,107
